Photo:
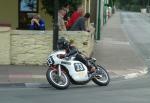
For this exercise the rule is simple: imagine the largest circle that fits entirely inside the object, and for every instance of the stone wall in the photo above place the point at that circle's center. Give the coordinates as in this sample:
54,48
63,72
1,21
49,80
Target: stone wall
4,45
30,47
33,47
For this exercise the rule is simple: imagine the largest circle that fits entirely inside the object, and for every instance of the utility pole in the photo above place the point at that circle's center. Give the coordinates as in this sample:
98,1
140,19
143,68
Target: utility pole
148,7
105,12
98,20
55,26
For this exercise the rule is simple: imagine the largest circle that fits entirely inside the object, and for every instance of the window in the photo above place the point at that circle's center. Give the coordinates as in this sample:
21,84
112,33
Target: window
26,9
28,6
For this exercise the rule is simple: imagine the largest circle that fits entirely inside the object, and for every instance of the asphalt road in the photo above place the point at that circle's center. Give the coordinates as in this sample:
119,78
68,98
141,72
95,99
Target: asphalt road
137,26
119,91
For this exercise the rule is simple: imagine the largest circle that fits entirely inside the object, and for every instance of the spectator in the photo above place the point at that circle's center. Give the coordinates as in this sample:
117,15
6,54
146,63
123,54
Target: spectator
75,16
37,23
61,22
79,25
66,7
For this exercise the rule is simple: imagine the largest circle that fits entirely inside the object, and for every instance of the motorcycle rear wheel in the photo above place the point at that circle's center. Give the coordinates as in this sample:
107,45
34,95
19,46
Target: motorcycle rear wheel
102,78
57,82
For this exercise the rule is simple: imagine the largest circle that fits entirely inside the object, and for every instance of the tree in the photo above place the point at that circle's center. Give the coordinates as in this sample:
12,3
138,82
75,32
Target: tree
133,5
51,8
48,5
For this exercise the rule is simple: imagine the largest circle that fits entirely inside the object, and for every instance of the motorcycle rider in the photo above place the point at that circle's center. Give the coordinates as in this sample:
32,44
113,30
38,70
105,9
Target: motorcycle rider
70,49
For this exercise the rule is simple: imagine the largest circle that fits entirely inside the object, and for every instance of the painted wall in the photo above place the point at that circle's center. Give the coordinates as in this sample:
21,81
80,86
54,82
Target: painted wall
94,8
9,13
46,17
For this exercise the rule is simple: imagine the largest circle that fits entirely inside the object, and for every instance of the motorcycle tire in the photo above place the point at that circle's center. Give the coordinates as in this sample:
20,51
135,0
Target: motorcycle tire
99,78
52,78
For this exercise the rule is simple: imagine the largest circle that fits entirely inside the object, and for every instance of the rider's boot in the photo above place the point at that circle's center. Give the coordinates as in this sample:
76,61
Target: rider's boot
93,69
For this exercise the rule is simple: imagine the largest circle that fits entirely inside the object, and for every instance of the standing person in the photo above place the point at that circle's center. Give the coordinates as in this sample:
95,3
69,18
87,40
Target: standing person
61,22
66,7
79,25
37,23
76,14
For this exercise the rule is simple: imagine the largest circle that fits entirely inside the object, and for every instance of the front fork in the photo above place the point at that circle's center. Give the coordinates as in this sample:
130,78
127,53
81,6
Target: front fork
59,70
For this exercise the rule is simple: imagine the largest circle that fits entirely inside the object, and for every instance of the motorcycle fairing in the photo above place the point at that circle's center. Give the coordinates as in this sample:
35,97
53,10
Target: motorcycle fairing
78,74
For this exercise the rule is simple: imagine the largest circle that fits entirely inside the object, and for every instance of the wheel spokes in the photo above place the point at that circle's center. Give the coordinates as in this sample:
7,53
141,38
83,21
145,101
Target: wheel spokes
102,75
59,80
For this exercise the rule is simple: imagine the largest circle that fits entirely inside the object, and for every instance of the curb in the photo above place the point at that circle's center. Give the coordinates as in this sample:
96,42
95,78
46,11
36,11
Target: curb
47,85
26,76
37,85
137,74
133,75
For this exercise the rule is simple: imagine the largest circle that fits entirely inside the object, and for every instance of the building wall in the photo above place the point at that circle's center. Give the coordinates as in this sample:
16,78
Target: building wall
102,12
46,17
9,13
94,11
4,45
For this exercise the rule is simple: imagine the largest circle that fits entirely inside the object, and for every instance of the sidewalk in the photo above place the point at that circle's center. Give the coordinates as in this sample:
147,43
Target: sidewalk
116,54
147,14
113,51
22,74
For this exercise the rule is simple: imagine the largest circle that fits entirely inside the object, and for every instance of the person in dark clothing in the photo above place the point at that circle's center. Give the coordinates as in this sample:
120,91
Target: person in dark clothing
66,7
71,50
79,25
74,17
37,23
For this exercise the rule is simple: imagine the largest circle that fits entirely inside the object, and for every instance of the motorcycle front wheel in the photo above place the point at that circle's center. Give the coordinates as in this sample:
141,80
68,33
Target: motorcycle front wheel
58,82
102,78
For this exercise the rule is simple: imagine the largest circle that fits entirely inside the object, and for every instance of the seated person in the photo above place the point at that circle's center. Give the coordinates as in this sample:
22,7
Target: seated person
37,23
76,14
79,25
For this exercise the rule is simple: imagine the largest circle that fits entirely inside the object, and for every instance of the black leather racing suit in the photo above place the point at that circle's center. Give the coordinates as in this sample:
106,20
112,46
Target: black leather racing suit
71,50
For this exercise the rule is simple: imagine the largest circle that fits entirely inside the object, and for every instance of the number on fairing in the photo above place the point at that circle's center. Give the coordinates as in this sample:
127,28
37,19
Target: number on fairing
50,60
79,67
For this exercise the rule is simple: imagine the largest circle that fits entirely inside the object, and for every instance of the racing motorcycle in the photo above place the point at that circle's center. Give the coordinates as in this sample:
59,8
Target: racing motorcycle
63,71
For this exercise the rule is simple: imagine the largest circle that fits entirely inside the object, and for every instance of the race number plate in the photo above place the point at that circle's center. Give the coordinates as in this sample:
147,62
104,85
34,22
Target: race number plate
79,67
50,60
